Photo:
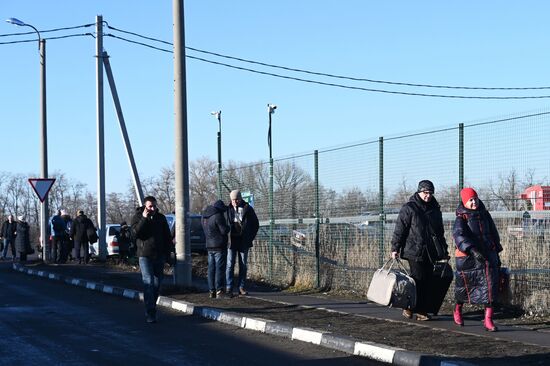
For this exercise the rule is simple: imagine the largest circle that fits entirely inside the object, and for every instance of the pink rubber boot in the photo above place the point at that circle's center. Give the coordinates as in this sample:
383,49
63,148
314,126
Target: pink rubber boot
488,321
457,315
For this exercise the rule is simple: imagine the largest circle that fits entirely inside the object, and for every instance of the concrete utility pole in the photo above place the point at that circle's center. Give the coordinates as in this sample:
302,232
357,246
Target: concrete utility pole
182,270
218,116
123,131
102,245
44,219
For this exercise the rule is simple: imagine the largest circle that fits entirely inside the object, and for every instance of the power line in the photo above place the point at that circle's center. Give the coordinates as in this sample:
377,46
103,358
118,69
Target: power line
138,35
138,43
333,84
332,75
49,38
47,30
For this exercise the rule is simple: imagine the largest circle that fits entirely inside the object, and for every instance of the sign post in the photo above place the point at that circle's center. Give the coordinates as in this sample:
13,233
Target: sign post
41,187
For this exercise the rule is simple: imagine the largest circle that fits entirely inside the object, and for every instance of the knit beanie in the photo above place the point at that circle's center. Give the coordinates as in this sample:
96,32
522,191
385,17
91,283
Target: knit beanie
426,186
466,194
235,194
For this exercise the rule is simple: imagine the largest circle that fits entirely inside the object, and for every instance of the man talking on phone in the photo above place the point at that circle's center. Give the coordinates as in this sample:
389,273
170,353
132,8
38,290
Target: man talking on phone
154,244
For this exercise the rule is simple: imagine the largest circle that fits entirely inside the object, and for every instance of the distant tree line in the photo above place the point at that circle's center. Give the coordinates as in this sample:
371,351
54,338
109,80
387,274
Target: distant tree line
294,193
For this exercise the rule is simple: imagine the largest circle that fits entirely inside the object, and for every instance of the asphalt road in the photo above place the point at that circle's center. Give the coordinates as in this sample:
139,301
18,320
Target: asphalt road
44,322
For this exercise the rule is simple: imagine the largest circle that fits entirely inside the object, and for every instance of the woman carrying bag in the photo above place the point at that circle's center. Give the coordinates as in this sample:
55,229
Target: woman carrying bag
477,260
419,220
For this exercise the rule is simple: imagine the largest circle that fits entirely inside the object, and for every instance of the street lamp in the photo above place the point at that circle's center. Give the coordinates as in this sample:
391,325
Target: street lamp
218,116
43,134
270,110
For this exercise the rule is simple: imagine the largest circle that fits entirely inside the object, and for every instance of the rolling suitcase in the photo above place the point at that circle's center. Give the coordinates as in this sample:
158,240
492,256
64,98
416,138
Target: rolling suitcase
442,277
392,287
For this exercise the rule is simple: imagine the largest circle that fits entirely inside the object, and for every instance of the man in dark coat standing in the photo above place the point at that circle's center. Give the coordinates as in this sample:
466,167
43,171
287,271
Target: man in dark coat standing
154,245
79,233
8,235
216,229
244,227
419,220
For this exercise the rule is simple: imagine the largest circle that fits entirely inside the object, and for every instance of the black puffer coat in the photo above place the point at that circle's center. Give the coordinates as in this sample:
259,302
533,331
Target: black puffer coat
22,239
215,226
476,282
152,234
412,235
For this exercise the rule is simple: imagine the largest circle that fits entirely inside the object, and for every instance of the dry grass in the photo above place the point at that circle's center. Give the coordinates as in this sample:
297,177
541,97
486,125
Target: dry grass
349,257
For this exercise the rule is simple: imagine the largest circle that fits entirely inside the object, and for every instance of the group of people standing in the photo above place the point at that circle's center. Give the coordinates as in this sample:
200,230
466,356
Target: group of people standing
15,235
419,225
230,231
70,238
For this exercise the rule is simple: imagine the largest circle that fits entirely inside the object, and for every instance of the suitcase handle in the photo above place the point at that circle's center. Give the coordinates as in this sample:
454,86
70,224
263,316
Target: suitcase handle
399,264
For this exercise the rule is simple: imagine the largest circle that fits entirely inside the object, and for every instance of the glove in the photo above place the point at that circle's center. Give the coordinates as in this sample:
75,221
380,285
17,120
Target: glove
477,255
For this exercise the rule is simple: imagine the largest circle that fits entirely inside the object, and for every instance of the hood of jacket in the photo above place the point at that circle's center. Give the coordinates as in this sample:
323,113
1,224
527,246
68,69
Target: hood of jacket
211,210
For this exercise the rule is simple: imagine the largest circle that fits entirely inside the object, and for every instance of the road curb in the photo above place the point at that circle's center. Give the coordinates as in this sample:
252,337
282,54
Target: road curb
375,351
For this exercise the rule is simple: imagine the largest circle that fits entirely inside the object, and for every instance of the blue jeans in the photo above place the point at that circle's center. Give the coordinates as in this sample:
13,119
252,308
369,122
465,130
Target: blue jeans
152,272
232,255
216,270
8,243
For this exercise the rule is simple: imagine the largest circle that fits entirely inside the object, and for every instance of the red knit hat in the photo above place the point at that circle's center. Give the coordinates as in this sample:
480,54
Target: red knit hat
466,194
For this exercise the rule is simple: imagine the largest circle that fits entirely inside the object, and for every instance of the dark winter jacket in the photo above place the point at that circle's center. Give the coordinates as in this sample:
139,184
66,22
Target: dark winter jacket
8,229
152,235
124,238
416,222
215,226
476,282
79,227
58,226
242,231
22,239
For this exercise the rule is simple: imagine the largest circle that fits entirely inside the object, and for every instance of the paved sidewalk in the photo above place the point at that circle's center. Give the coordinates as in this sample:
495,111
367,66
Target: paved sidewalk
351,326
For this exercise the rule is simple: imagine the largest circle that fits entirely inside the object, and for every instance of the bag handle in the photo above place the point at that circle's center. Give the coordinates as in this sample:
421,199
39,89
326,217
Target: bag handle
399,264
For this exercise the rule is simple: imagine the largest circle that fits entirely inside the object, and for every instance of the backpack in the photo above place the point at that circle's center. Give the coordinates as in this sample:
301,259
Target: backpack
91,232
57,223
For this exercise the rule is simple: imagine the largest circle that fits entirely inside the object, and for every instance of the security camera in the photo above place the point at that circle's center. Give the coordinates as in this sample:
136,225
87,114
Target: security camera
271,108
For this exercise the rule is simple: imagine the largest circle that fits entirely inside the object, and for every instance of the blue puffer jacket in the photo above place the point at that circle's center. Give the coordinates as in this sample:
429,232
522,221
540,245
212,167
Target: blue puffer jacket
476,282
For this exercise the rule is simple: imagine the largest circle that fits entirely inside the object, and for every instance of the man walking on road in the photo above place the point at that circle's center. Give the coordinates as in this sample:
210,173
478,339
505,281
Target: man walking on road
154,244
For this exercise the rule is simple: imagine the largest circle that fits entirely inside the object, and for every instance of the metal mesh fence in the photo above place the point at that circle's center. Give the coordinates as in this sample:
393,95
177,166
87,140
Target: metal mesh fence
334,210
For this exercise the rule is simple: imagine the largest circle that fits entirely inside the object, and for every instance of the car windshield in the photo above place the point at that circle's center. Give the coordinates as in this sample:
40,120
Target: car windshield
114,230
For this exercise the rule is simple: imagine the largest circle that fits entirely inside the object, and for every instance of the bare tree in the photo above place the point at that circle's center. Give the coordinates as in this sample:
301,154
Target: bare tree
202,183
165,190
506,193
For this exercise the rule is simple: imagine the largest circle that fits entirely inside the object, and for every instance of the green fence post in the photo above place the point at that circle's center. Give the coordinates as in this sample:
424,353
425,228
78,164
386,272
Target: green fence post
460,156
381,200
317,214
271,219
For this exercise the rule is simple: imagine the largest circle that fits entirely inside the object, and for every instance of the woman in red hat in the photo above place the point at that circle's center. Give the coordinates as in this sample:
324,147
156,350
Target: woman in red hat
477,260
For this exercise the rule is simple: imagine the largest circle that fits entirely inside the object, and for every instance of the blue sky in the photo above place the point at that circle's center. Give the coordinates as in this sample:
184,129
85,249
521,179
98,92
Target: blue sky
482,44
